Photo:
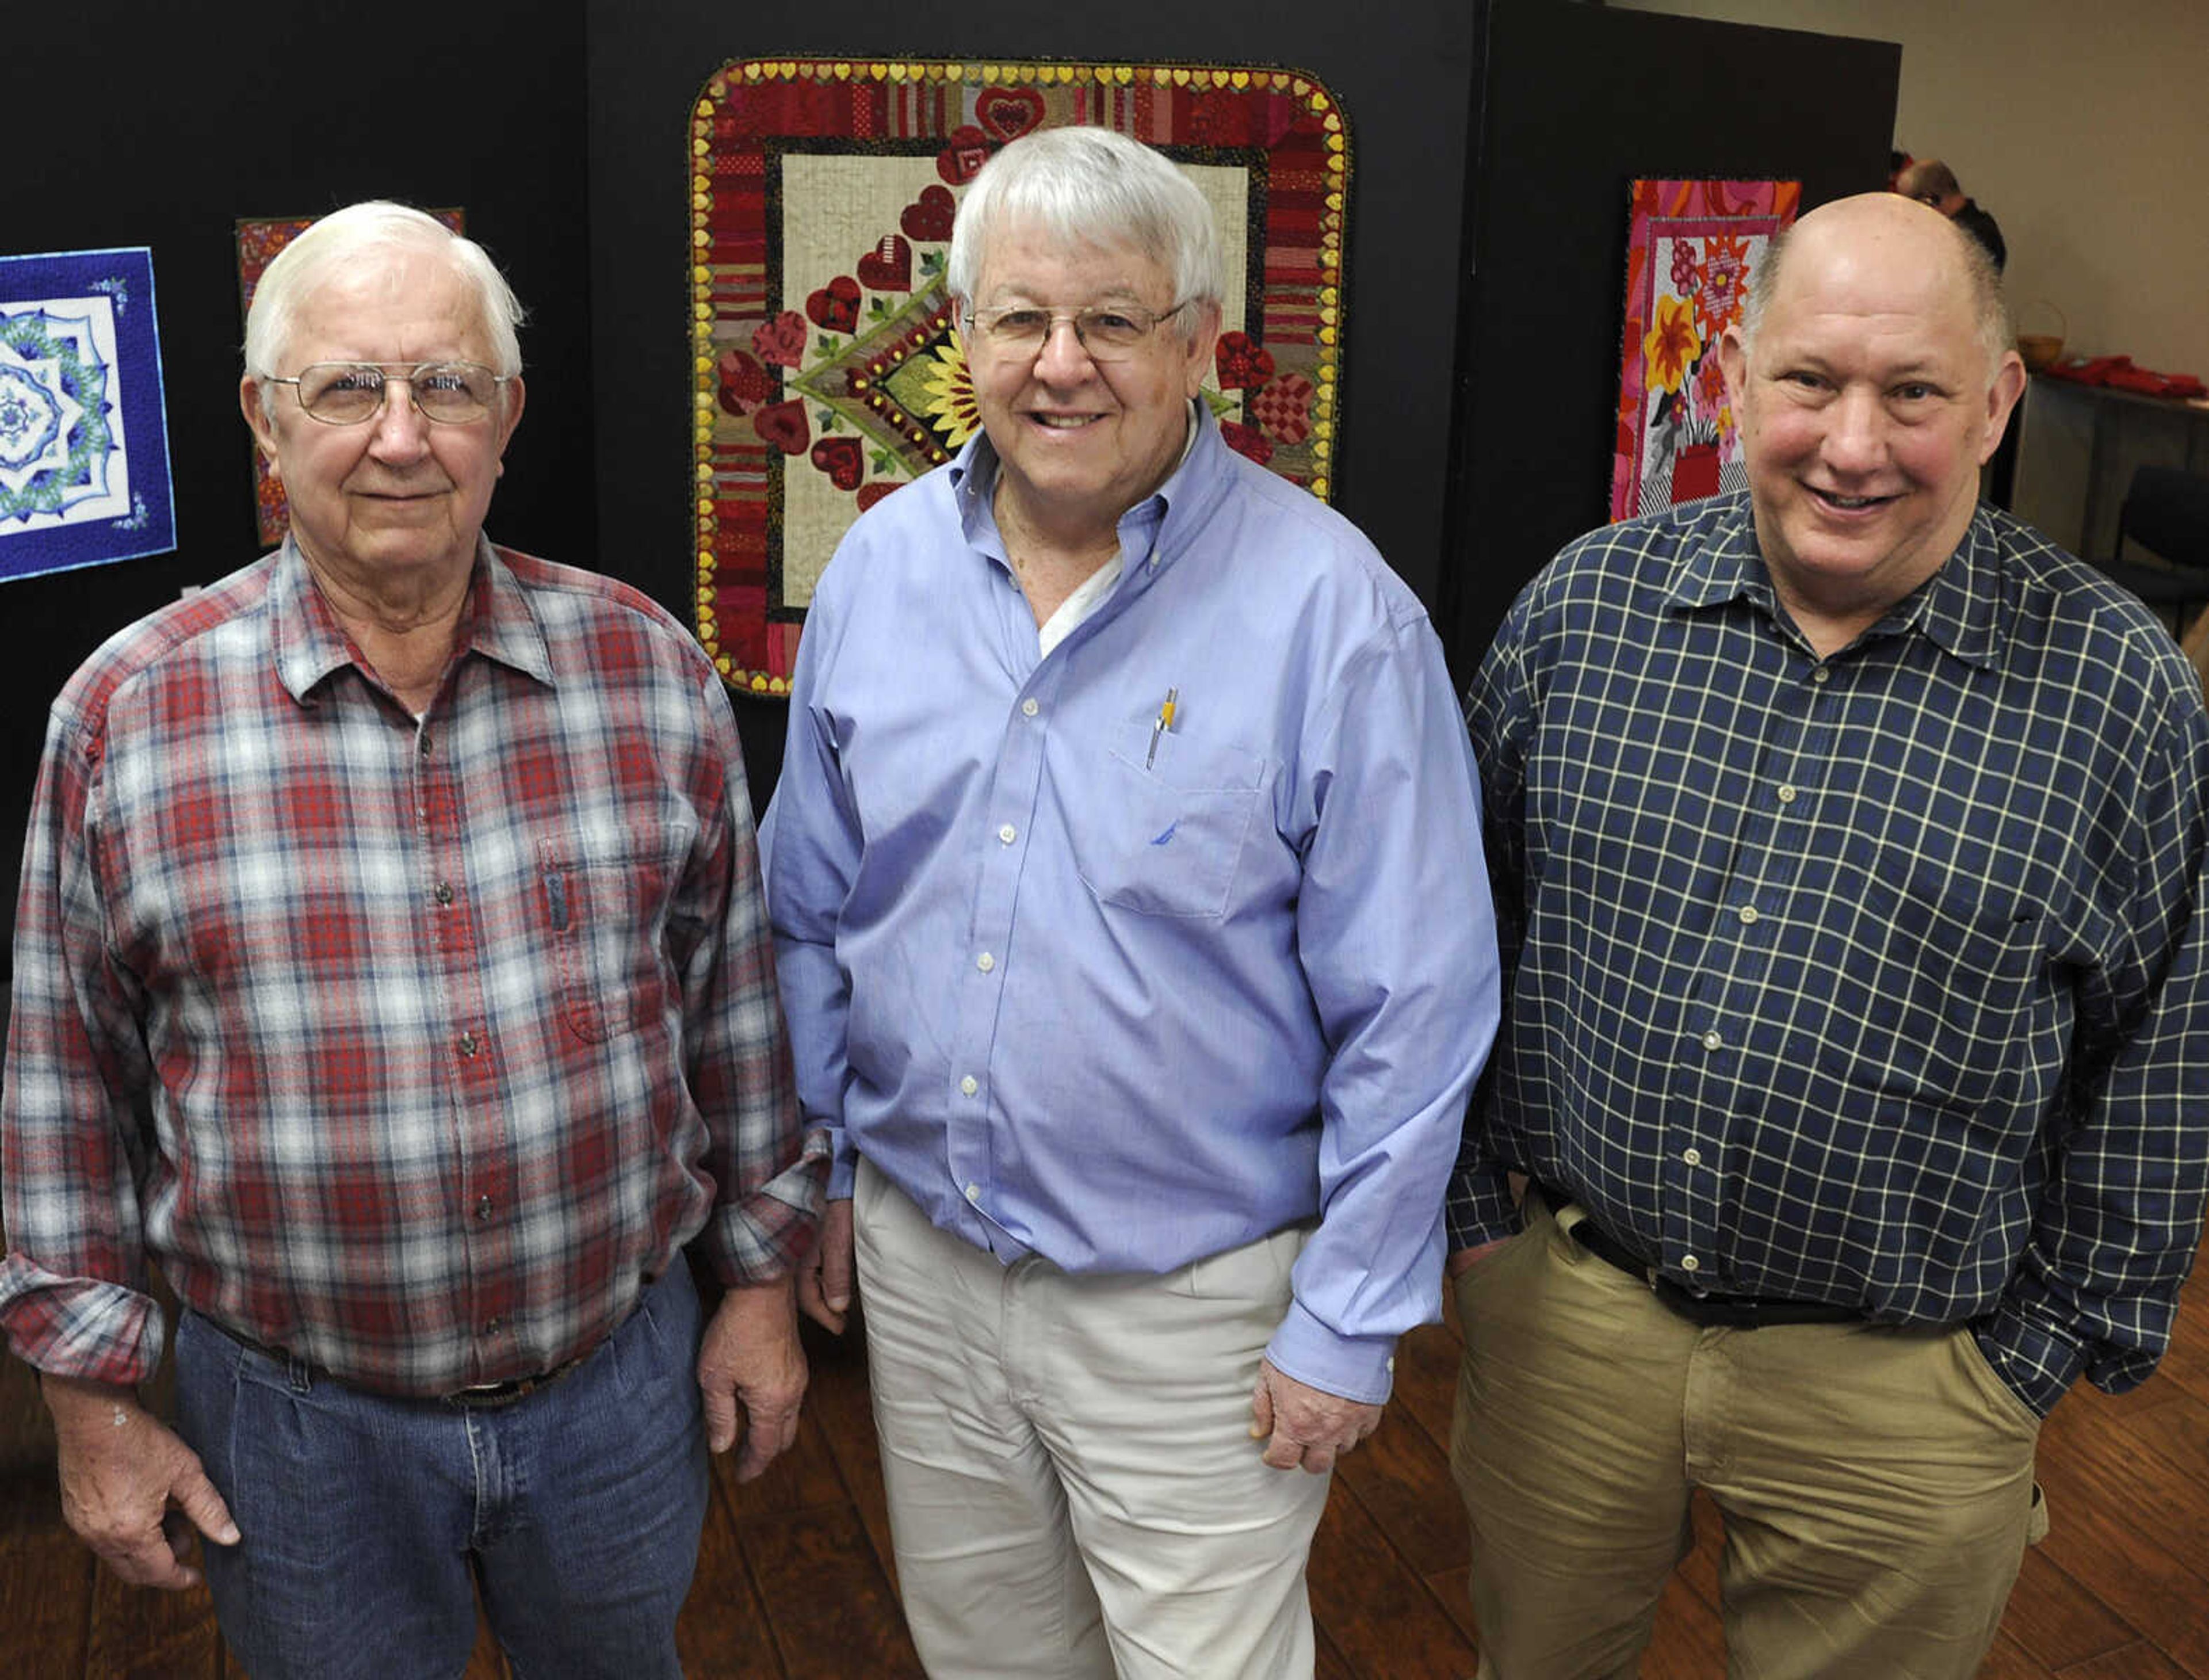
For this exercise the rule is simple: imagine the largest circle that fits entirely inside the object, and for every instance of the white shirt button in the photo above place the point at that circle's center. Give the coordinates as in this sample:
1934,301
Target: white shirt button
1748,913
1714,1040
1028,708
1691,1157
1786,796
1689,1264
974,1193
1822,674
969,1086
1008,833
985,962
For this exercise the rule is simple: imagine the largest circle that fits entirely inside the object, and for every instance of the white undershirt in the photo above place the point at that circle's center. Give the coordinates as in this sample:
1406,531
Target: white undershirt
1090,592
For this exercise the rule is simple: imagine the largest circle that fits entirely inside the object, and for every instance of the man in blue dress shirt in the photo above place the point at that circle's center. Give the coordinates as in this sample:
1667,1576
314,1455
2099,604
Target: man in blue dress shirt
1848,843
1137,951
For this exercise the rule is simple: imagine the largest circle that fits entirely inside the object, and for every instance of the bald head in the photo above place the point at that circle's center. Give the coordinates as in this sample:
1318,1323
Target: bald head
1873,224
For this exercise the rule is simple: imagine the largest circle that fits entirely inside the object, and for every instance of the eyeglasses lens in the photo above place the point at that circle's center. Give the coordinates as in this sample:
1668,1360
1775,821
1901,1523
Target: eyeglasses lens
343,393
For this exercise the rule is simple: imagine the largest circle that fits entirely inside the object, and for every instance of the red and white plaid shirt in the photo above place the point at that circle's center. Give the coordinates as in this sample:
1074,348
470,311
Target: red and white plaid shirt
411,1048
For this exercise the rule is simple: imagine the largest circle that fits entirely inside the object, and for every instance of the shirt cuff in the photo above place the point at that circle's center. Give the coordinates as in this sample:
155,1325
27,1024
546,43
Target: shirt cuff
2038,1364
843,1159
80,1327
762,1237
1355,1368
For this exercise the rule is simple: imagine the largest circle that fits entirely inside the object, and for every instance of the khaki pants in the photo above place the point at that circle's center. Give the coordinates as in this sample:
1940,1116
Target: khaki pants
1876,1483
1073,1488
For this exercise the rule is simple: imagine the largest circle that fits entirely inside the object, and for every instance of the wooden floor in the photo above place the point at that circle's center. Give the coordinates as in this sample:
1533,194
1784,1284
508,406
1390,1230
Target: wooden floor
794,1579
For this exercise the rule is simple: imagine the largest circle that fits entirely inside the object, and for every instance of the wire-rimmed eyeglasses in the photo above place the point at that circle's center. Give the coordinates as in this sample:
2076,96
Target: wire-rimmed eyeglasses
1109,332
344,394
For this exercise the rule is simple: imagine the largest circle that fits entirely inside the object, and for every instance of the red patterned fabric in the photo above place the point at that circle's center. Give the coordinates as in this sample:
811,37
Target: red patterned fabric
825,371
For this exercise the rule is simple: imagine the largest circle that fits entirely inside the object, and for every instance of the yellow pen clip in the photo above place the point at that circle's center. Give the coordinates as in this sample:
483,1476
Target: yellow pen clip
1164,723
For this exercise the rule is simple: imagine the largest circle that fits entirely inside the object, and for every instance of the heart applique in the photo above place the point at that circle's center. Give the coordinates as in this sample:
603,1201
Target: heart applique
746,386
1246,441
929,216
835,307
1283,409
781,340
870,494
785,425
1241,363
962,160
842,460
1008,112
888,266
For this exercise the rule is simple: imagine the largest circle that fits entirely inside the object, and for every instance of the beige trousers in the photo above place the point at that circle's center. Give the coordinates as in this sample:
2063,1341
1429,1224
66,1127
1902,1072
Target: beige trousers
1073,1488
1875,1483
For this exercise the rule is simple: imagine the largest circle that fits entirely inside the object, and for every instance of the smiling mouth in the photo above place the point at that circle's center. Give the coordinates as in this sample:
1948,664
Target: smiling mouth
1064,422
1848,505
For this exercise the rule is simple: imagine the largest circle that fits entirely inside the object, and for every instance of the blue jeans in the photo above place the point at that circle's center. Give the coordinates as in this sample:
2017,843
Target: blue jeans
371,1523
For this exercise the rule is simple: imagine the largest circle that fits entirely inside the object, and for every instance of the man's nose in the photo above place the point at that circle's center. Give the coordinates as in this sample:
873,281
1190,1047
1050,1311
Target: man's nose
1856,431
401,428
1063,358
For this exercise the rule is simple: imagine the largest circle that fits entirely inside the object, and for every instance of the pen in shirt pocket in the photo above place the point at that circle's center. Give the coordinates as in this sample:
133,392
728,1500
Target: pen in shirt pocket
1164,723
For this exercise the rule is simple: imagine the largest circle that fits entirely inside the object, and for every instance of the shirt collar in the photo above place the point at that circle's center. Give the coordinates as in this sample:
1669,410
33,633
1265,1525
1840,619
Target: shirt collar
309,643
1954,609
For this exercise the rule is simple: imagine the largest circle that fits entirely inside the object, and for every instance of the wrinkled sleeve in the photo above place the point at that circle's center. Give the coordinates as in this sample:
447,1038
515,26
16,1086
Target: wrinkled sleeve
75,1135
768,1178
1398,944
1499,720
2118,1227
811,841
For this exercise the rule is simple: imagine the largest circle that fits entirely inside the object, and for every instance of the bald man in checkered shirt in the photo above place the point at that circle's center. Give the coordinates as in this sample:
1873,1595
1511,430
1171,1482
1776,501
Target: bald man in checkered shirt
1847,843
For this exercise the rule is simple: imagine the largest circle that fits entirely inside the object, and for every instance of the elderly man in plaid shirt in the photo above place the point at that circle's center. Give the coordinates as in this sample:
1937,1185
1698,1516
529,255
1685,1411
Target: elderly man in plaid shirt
391,967
1847,839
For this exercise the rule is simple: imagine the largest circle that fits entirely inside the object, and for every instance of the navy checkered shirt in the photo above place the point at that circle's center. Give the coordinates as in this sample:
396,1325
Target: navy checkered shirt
1879,979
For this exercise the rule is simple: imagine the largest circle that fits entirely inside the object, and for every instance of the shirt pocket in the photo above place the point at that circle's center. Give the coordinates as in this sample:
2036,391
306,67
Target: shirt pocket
1951,1007
1165,837
606,921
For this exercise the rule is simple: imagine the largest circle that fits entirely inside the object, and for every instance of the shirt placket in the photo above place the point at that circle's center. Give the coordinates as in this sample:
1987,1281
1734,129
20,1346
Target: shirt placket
1724,1018
465,1045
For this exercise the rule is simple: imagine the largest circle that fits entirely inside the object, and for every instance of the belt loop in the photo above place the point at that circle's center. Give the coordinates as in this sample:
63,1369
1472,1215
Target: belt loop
299,1373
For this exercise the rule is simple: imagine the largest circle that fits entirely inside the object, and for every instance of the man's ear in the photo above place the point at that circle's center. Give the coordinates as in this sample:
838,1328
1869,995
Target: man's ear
1733,363
253,402
2003,391
1202,347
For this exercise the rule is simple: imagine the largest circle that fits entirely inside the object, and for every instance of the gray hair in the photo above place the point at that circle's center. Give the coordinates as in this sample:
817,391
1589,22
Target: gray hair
1090,185
1990,308
337,239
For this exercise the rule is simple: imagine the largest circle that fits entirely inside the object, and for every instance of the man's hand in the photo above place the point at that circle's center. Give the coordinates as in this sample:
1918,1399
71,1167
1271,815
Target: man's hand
1308,1426
824,1276
1465,1258
121,1472
750,1358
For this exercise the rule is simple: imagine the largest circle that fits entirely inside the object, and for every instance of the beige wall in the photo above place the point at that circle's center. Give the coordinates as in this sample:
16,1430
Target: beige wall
2083,128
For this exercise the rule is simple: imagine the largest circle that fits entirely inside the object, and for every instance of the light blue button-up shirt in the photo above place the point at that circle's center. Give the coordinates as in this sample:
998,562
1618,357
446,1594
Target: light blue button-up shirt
1124,996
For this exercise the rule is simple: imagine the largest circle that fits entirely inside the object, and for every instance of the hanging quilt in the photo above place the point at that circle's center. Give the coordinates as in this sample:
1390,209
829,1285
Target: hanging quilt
1691,247
259,240
824,372
84,438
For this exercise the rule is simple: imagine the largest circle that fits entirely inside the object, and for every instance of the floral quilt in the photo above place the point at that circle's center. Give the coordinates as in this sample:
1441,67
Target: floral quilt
1691,247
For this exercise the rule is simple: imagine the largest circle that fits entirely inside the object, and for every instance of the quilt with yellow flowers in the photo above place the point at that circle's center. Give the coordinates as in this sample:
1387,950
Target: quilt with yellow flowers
825,372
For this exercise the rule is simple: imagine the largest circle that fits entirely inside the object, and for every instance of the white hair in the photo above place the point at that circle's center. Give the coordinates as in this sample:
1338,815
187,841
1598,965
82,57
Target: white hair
344,236
1092,186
